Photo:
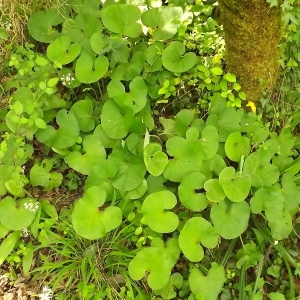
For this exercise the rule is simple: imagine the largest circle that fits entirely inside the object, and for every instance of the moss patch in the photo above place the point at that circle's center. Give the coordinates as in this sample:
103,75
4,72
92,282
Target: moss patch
252,34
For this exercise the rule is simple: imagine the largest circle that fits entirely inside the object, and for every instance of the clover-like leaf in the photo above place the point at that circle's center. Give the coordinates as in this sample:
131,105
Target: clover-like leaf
122,18
156,217
158,260
230,219
237,146
63,51
94,153
89,221
210,286
209,142
214,190
89,69
176,60
197,230
41,25
271,200
261,171
164,21
116,121
83,111
189,192
154,159
16,215
235,185
63,137
136,99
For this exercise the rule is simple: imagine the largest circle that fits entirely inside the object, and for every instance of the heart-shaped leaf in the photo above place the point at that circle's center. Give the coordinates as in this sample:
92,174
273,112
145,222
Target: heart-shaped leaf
188,192
164,21
16,215
63,51
281,228
153,209
158,260
89,69
210,286
154,159
235,185
116,121
153,56
89,221
214,190
230,218
65,136
136,99
237,146
94,153
83,111
41,25
197,230
122,18
176,60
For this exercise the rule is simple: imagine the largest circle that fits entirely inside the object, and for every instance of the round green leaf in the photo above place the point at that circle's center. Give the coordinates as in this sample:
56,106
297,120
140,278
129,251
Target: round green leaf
94,153
83,111
41,23
210,286
63,51
89,221
154,159
164,20
188,194
122,18
209,142
230,219
65,136
153,209
17,215
197,230
235,185
116,121
174,59
89,70
214,190
136,99
237,146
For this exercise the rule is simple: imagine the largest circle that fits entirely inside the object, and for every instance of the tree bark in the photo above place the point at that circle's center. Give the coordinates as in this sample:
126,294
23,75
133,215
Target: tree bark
252,34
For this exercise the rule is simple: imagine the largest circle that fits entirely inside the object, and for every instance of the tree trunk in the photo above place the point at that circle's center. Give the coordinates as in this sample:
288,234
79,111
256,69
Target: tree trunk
252,34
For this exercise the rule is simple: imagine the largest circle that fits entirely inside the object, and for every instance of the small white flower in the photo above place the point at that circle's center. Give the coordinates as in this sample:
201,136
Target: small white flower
31,206
46,293
7,25
25,233
275,243
67,80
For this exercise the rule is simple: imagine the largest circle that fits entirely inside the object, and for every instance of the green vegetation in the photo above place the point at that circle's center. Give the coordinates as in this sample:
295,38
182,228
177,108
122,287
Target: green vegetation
129,167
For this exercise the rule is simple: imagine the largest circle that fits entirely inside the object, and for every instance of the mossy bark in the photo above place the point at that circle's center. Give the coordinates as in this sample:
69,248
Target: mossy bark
252,34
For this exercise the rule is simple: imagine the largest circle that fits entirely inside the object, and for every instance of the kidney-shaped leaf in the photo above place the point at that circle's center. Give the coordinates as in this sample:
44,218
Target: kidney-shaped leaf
89,69
154,159
63,51
236,146
174,59
94,153
17,215
153,209
122,18
41,23
210,286
229,218
65,136
89,221
235,185
195,231
188,194
214,190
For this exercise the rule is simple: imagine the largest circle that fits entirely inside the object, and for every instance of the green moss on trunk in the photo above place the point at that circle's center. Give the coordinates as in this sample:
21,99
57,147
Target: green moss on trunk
252,34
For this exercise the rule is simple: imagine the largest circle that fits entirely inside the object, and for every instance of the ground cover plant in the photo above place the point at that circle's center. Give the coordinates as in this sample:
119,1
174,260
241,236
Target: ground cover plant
132,165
